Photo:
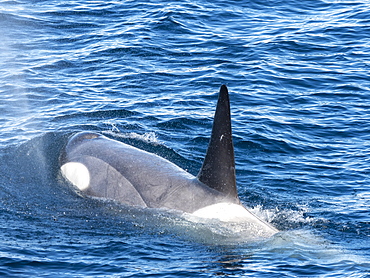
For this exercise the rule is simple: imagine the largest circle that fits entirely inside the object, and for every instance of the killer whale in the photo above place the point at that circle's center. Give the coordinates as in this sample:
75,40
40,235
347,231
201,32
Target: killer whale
103,167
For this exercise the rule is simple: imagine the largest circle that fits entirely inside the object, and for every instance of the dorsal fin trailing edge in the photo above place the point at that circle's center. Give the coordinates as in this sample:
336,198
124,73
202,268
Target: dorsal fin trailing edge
218,170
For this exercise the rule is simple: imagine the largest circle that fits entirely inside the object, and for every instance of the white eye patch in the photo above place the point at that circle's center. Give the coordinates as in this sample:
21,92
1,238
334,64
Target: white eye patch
77,174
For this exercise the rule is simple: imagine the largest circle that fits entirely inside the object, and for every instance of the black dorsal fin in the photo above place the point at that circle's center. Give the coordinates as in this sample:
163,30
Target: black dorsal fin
218,170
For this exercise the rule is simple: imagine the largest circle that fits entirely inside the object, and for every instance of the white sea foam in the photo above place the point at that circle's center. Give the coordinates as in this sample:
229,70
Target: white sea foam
149,137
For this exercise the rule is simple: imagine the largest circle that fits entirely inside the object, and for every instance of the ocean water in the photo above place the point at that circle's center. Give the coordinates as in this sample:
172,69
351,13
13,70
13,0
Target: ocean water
148,73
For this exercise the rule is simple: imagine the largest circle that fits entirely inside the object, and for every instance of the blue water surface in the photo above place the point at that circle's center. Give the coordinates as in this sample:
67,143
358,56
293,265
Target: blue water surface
148,74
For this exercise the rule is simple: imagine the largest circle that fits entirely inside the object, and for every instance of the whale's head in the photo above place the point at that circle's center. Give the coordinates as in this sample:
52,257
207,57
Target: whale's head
73,143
